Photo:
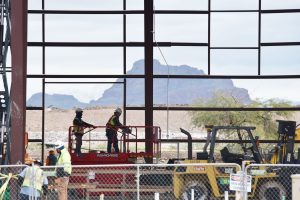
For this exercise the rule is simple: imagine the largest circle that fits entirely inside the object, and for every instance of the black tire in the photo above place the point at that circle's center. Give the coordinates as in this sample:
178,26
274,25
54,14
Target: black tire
271,190
200,191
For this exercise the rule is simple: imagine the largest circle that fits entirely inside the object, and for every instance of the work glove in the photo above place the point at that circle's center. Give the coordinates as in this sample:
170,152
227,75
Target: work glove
128,130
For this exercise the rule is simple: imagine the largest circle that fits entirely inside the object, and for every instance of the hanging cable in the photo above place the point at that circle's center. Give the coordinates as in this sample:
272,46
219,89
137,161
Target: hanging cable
166,63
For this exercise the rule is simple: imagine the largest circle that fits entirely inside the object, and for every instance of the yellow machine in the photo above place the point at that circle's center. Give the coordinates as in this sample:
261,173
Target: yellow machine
205,180
211,182
284,150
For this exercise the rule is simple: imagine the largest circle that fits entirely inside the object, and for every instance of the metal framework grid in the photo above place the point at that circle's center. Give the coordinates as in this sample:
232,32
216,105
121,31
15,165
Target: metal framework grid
148,45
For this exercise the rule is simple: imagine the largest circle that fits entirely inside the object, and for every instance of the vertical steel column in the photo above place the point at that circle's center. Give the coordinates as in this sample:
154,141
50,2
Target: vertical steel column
208,35
19,72
43,83
148,20
259,38
124,63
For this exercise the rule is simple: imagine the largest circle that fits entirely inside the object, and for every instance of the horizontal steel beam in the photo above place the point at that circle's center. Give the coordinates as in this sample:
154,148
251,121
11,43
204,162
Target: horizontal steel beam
86,12
164,76
34,108
112,44
155,44
219,141
280,43
34,140
122,12
84,76
90,82
229,76
182,108
280,11
234,47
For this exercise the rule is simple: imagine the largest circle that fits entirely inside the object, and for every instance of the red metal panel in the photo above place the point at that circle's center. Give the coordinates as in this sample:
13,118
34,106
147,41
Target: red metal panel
19,71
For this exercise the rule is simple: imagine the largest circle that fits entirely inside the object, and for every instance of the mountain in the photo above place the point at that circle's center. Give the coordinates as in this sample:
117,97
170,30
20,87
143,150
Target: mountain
55,100
181,91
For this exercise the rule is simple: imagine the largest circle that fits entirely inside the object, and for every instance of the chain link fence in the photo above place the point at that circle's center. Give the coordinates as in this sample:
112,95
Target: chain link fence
271,182
10,187
198,181
112,182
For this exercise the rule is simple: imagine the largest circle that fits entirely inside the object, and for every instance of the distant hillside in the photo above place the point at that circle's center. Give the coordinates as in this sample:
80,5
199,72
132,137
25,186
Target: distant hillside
55,100
181,91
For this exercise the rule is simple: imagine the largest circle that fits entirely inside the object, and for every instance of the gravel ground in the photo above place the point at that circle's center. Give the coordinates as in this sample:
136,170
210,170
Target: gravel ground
57,123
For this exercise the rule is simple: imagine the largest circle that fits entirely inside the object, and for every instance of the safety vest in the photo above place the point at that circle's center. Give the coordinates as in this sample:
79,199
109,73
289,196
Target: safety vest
78,129
65,160
111,123
34,178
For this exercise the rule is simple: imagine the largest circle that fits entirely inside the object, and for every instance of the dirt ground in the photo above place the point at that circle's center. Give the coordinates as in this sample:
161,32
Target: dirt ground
57,123
60,120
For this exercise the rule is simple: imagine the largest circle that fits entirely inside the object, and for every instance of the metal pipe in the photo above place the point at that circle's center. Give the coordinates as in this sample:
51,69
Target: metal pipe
190,143
138,182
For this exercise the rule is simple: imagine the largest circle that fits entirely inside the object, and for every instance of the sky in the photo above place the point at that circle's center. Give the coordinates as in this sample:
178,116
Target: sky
227,29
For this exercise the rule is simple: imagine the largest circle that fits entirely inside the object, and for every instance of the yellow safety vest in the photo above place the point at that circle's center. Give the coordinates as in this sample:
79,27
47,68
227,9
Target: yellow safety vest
65,160
78,129
111,123
34,178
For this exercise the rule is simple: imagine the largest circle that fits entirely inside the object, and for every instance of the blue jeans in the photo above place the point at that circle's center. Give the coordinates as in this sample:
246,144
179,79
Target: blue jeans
112,138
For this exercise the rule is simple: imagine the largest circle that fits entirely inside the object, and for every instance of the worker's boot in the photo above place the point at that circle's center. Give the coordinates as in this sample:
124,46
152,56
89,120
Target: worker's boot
78,150
80,155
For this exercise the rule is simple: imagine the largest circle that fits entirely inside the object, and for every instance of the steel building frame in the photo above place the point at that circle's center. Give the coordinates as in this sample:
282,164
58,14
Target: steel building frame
148,45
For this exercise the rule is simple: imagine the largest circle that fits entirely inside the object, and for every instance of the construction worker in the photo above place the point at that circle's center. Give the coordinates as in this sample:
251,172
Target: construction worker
33,182
51,159
112,127
78,129
63,171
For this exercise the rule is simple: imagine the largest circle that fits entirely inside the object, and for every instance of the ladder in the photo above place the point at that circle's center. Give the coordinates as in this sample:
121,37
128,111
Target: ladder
5,115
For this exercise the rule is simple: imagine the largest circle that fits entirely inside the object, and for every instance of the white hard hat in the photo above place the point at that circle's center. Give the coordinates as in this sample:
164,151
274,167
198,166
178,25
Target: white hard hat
78,110
118,110
59,145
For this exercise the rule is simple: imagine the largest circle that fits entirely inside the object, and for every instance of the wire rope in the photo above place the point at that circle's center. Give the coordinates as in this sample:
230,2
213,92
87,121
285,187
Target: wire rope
168,67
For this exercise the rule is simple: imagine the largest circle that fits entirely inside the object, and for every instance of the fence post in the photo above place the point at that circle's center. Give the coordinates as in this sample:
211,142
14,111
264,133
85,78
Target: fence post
138,182
244,171
192,194
226,195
